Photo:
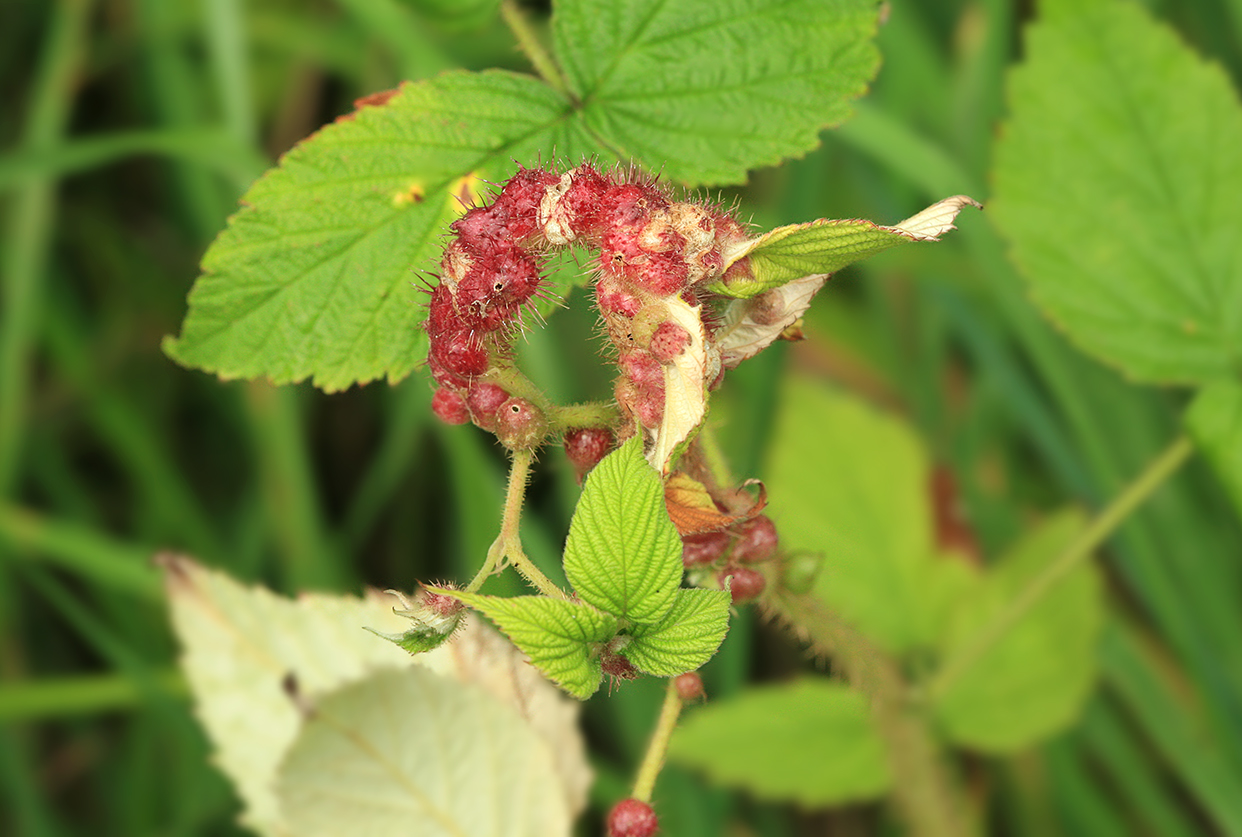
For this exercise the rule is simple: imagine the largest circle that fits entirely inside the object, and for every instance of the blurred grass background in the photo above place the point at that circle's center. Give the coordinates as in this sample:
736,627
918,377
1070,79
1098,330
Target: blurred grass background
130,129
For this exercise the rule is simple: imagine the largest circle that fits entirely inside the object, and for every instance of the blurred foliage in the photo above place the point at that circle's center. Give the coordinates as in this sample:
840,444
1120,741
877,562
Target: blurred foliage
132,127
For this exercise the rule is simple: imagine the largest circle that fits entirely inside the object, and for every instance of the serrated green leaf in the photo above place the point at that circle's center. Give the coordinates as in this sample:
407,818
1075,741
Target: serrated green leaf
1034,680
707,90
411,752
314,277
686,638
1215,421
800,250
1119,186
560,637
851,483
811,742
623,554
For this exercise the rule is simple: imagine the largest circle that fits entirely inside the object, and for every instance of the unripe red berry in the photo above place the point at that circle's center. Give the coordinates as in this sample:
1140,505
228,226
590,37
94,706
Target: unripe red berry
520,425
757,540
668,341
617,665
586,446
449,406
584,200
744,584
484,401
643,369
460,353
631,818
703,548
664,274
612,298
689,686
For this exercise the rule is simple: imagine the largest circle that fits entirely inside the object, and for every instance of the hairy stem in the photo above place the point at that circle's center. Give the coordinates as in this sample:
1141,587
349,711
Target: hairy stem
528,40
653,761
923,790
508,544
1100,529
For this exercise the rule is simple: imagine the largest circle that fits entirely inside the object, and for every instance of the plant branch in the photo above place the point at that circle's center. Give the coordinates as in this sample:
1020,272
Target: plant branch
520,25
508,543
653,761
1100,529
923,791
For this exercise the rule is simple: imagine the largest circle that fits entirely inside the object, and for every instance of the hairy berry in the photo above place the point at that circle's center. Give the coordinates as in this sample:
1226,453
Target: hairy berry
520,425
631,818
612,298
703,548
584,200
744,584
449,406
484,401
586,446
664,274
668,341
616,665
460,353
757,540
643,369
689,686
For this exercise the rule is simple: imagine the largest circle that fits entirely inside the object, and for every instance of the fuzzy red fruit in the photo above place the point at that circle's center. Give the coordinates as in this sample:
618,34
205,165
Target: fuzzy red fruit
689,686
744,584
479,228
484,401
668,341
757,540
704,548
441,314
584,202
643,369
631,204
517,205
520,425
631,818
460,353
586,446
664,274
449,407
440,603
616,665
612,298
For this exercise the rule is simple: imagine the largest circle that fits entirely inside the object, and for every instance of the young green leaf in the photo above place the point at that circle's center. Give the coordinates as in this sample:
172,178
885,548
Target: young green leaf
851,483
1215,422
314,277
686,638
561,637
1034,680
1119,187
411,752
811,742
623,554
708,90
799,250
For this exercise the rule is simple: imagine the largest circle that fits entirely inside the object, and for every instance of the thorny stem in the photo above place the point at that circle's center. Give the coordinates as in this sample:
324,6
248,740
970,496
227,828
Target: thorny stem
520,25
923,790
508,543
1104,525
653,761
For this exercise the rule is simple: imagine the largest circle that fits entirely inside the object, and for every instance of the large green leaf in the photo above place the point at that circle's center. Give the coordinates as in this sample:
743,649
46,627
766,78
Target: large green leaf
848,481
623,554
812,742
686,638
1215,421
1119,186
411,752
705,90
1034,679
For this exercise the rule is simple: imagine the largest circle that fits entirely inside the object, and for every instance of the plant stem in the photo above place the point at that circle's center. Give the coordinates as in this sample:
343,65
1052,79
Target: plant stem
508,543
1100,529
923,791
653,761
520,25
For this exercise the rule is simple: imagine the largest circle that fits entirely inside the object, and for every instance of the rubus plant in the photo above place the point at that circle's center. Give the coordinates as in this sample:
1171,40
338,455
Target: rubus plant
484,178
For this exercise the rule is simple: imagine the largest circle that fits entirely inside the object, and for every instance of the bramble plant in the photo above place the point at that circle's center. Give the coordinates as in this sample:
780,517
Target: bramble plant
488,181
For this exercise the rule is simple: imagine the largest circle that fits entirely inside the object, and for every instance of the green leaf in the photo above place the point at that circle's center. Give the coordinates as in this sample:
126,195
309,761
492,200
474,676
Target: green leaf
561,637
707,90
1215,422
800,250
1119,186
623,554
314,277
850,482
687,637
812,742
411,752
1034,680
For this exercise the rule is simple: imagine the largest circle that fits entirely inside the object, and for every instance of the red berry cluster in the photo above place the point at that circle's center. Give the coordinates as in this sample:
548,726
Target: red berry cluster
651,248
730,552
